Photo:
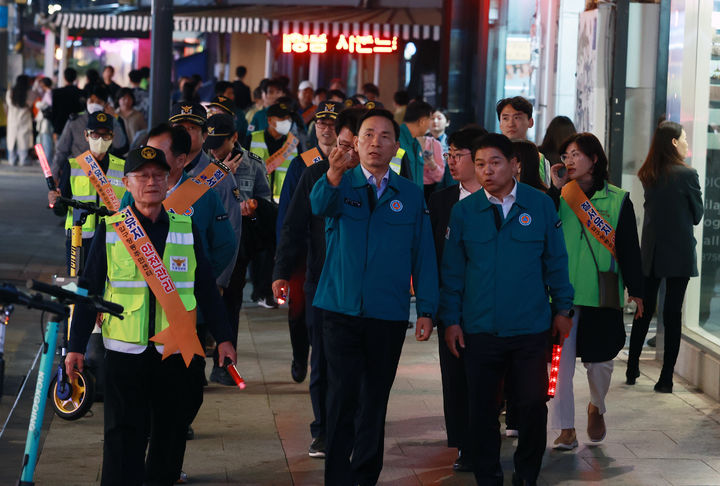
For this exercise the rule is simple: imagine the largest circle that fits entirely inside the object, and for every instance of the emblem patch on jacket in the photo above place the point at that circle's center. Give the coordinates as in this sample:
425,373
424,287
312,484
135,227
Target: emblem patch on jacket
178,264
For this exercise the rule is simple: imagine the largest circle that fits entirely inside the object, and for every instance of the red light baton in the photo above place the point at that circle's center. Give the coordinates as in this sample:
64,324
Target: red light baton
283,298
235,376
554,369
45,166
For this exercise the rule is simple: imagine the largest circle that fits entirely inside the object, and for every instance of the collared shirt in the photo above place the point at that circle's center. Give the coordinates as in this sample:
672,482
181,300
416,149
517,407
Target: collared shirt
373,182
463,192
507,201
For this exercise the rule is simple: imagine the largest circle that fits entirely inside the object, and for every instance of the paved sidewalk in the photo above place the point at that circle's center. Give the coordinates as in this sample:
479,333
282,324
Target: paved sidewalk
260,436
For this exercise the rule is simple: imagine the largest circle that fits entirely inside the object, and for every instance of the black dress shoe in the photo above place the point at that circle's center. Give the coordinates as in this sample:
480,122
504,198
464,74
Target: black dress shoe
298,371
518,481
631,376
461,464
662,387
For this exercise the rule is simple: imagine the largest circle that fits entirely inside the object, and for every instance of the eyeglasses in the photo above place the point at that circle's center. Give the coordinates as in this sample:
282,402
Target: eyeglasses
575,154
324,125
144,178
456,156
97,136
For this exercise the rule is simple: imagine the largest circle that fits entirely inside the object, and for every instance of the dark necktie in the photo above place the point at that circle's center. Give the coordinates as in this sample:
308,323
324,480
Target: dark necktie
497,210
372,197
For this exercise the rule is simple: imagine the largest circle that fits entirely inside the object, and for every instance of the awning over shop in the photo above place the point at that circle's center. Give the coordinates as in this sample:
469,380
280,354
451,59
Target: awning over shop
406,24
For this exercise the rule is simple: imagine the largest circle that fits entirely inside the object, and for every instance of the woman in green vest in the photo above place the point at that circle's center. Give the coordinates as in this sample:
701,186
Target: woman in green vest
600,267
673,205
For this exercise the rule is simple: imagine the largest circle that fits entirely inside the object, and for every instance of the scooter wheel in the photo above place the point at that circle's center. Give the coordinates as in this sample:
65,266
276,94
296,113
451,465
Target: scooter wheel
80,399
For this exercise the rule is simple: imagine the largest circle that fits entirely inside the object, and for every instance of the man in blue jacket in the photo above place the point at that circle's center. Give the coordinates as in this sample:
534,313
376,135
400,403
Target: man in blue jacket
504,247
378,237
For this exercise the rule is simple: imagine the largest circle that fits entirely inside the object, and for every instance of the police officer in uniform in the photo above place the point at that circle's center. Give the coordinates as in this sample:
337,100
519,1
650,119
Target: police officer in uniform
142,388
378,237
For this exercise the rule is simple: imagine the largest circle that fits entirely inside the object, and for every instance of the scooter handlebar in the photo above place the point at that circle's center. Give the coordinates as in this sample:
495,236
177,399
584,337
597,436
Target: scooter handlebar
9,294
91,208
68,297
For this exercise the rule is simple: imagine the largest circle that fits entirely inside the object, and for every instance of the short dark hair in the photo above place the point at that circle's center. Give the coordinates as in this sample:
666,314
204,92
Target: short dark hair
125,92
47,82
257,93
590,146
180,141
98,90
222,86
350,119
70,75
463,139
336,92
111,68
371,88
275,83
381,112
417,110
401,98
497,141
144,71
518,103
135,76
320,91
240,71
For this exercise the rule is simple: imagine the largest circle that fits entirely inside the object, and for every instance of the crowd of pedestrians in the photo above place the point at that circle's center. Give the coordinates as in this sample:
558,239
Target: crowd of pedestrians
350,211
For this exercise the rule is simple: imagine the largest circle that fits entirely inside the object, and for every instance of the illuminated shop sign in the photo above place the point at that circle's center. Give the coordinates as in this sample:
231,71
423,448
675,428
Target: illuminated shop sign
318,44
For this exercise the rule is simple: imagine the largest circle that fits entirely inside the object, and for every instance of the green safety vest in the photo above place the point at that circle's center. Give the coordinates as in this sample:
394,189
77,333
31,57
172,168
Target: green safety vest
541,170
259,148
83,190
396,162
127,287
583,275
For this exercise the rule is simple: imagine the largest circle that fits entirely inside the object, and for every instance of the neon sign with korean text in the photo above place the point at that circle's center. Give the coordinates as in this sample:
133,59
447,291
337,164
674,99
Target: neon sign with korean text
318,44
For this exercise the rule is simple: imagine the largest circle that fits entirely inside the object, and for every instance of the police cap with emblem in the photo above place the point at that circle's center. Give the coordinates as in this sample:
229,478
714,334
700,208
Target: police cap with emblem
143,155
280,110
328,109
98,120
219,128
224,103
192,112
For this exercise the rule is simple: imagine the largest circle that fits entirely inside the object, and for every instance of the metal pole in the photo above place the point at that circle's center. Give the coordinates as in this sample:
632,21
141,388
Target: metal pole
268,56
161,60
62,64
49,66
661,70
3,44
617,96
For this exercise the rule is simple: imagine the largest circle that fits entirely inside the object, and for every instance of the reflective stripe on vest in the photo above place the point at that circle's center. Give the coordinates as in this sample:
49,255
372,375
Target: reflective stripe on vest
83,190
396,162
259,148
583,276
127,287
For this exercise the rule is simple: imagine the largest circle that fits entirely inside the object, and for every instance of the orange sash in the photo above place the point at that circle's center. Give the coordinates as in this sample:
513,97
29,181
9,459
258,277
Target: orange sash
311,156
181,334
277,159
101,183
589,216
193,189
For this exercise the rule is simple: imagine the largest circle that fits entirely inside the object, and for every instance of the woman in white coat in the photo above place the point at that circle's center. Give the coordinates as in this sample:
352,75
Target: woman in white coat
19,101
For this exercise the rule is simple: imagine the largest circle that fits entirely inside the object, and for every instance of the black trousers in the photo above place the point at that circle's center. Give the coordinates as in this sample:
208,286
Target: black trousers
672,320
143,394
299,339
261,268
318,363
487,360
233,297
455,393
362,359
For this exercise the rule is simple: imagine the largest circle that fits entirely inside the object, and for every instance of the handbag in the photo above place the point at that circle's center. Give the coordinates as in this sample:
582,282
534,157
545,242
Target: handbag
608,283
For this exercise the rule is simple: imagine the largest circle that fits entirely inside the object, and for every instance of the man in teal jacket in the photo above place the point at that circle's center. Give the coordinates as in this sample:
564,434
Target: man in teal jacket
504,250
378,236
415,124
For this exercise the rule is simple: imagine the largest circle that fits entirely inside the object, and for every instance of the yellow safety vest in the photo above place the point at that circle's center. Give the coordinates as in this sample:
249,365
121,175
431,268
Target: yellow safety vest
127,287
83,190
259,148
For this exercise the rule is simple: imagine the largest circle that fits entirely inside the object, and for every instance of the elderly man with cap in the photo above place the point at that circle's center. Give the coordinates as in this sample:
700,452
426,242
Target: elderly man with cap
75,183
324,118
143,389
306,108
251,179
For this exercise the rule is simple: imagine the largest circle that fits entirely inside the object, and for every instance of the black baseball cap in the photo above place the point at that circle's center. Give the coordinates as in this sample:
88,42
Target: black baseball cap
328,109
224,103
99,119
219,128
192,112
143,155
280,110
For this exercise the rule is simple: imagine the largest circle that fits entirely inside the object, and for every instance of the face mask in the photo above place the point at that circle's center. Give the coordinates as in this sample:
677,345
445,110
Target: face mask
93,107
99,146
283,127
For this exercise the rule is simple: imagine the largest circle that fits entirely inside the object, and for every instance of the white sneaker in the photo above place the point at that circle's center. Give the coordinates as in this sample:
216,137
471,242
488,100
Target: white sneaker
266,304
